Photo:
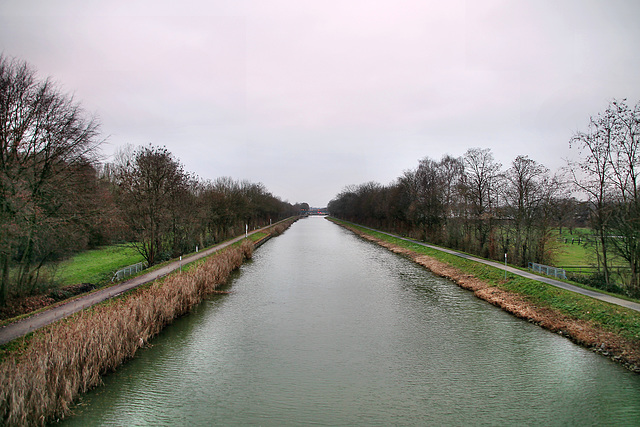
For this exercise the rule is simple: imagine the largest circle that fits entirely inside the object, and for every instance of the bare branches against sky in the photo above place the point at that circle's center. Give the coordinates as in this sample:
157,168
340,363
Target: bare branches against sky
308,97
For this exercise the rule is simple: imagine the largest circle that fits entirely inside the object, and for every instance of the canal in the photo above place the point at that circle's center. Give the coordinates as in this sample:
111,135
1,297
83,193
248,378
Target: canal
324,328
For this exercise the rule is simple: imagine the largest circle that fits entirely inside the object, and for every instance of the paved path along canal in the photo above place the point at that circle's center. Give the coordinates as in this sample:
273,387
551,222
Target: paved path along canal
322,327
17,329
14,330
557,283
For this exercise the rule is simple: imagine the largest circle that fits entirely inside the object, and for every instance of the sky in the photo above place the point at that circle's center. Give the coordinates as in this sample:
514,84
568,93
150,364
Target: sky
308,97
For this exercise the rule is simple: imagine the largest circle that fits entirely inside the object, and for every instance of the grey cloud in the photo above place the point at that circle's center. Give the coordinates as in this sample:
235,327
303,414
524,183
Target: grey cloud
308,97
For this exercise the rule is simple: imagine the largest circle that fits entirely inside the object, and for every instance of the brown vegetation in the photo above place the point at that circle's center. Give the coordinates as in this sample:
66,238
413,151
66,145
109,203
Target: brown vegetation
278,229
21,305
581,332
69,357
57,198
471,204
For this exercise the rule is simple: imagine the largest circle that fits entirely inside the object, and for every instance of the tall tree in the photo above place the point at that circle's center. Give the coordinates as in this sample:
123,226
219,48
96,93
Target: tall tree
152,183
624,220
45,138
526,183
430,198
481,173
591,176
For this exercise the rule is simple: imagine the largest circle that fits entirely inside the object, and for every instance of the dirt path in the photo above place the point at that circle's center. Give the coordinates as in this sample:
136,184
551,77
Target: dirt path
22,327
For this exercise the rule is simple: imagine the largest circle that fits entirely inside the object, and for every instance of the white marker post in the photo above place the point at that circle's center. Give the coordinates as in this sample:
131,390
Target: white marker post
505,266
246,230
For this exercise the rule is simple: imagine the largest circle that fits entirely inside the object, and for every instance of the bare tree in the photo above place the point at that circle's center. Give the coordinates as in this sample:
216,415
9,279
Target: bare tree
151,186
624,220
451,172
526,185
430,186
481,173
591,176
43,136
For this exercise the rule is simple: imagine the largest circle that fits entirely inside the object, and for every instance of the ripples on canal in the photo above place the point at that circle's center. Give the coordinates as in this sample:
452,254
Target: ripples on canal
325,328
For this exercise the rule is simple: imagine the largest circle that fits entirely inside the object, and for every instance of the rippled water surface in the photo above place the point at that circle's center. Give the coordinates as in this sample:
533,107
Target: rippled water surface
324,328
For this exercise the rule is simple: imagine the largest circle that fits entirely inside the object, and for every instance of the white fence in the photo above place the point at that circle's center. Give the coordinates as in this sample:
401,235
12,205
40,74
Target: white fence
559,273
128,271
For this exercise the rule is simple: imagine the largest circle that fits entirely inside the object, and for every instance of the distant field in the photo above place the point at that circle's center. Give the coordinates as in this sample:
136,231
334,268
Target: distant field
578,253
97,265
575,253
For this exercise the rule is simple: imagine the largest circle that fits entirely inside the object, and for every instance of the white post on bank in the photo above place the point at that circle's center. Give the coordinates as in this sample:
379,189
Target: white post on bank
505,266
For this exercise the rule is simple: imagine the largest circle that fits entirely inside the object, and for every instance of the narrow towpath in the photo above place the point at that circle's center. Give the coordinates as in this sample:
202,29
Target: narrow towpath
597,295
22,327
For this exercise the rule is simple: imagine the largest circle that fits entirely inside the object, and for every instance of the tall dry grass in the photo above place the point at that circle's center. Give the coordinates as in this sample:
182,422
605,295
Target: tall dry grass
69,357
280,228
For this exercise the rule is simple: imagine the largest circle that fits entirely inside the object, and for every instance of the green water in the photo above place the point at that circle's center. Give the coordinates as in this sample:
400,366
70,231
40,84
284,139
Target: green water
323,328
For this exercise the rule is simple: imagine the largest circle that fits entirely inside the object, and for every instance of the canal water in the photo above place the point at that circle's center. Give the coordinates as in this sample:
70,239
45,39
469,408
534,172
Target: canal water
324,328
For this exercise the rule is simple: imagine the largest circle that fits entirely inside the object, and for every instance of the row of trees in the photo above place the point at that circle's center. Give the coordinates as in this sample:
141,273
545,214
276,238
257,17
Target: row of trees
607,172
470,203
57,198
465,203
167,211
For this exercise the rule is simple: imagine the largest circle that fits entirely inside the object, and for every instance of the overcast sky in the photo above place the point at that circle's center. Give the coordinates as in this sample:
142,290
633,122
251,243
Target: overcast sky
310,96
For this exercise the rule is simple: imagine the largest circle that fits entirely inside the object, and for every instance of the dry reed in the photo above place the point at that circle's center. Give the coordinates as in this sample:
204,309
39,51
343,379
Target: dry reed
69,357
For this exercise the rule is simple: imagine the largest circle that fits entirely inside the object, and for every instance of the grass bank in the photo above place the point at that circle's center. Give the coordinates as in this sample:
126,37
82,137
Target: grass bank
96,265
605,328
41,374
79,274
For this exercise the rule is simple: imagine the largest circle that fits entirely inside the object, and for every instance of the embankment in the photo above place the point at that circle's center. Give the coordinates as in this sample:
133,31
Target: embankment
42,374
610,331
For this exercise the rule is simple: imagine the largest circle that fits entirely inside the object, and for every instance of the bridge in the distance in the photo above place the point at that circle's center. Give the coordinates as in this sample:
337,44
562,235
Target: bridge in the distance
318,211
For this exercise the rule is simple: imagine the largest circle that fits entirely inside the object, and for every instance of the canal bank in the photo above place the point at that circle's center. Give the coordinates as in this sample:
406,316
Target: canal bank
605,329
43,373
325,328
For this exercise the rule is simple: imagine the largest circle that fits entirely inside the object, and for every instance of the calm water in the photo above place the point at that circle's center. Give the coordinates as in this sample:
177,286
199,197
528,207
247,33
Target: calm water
323,328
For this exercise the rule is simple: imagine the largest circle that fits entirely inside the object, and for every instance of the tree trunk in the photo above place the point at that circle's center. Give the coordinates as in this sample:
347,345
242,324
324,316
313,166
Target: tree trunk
4,279
605,267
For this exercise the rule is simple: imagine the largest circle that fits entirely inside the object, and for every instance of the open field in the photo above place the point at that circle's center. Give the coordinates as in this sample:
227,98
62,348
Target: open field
572,248
576,249
96,265
576,255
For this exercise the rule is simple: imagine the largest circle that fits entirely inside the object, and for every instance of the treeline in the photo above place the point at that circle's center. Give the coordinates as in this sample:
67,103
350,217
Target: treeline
470,203
56,197
166,211
466,203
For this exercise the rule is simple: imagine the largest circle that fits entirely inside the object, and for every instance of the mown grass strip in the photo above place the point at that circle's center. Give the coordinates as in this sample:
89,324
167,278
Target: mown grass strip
97,265
612,318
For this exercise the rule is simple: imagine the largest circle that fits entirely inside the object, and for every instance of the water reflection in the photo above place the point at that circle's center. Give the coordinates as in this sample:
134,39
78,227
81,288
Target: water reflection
325,328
